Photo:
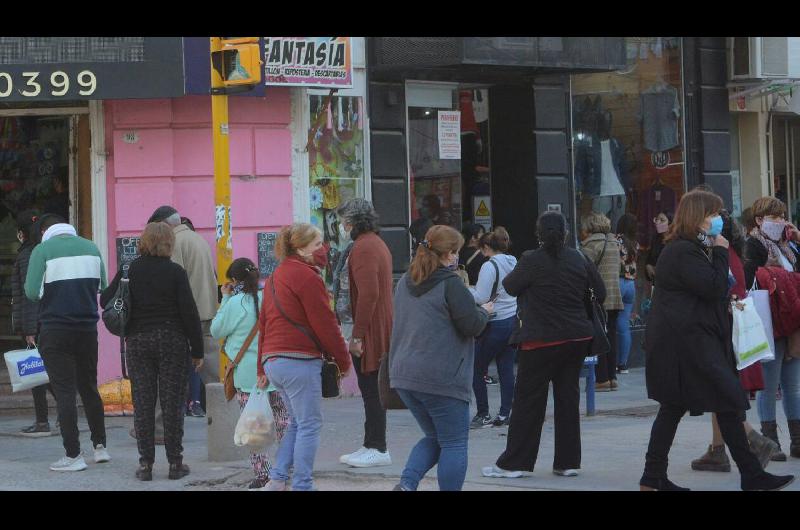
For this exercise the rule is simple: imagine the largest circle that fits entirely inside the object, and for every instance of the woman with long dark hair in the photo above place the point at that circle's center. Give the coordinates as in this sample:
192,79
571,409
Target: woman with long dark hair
552,288
470,255
237,315
662,221
690,362
627,228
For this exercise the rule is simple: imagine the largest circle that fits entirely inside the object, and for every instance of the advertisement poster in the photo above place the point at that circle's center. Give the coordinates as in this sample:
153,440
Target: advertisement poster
449,135
323,62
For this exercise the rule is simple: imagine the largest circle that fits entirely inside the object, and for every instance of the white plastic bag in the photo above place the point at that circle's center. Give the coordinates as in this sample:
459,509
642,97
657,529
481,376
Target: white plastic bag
256,426
760,299
750,342
26,369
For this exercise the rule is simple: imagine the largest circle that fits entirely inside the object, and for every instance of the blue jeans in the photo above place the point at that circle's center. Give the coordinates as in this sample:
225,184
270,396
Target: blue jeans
194,384
628,289
445,423
300,387
494,345
787,373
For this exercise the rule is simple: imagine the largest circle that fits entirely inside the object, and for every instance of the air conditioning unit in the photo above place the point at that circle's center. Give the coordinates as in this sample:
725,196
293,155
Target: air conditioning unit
764,58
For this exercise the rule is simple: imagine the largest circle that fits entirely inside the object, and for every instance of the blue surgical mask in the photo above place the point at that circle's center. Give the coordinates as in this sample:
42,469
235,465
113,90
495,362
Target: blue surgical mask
716,226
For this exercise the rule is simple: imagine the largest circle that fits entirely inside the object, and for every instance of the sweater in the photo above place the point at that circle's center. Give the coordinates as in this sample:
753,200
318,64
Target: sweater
160,299
65,273
304,298
233,323
474,267
370,270
193,253
433,346
24,312
506,305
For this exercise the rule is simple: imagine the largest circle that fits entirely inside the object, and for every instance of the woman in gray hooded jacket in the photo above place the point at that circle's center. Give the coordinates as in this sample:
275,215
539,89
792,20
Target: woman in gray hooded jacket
432,356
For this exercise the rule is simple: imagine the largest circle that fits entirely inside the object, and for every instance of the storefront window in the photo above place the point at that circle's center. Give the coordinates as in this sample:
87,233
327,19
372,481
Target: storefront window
628,136
336,162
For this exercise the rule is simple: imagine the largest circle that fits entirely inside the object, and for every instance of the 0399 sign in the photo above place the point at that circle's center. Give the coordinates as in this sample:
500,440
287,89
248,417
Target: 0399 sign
59,84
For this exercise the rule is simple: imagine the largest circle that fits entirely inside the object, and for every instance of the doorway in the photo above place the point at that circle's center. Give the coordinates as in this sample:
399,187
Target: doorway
786,163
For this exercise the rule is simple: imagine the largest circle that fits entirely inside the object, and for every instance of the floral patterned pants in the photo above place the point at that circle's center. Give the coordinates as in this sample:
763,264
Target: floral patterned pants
260,461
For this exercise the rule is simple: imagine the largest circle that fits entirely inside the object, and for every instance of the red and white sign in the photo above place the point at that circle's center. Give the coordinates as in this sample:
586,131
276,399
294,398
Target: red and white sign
449,135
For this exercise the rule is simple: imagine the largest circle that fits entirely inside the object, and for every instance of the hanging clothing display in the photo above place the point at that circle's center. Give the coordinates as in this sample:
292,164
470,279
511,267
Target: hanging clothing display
660,110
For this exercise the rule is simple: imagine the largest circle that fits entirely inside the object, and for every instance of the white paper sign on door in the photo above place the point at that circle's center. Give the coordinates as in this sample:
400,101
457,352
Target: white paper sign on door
449,135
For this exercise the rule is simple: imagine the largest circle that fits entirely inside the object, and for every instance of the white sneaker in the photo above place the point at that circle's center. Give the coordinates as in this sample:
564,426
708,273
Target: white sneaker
101,454
370,458
344,458
69,464
566,472
496,472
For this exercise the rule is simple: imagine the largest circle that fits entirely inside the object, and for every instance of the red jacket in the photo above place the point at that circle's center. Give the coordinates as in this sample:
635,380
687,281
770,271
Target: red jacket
303,297
784,298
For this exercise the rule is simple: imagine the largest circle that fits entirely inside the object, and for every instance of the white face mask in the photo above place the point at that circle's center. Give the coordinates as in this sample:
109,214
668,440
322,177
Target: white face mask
344,235
773,229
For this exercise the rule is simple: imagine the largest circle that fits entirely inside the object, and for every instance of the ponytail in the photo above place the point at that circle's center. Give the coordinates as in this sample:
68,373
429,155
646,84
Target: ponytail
552,231
245,271
439,241
497,240
294,237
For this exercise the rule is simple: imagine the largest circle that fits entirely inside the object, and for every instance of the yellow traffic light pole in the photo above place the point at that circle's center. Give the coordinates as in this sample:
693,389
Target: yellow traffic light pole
222,175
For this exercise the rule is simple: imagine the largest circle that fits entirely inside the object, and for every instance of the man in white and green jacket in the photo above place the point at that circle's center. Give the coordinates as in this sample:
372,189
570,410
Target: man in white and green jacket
65,274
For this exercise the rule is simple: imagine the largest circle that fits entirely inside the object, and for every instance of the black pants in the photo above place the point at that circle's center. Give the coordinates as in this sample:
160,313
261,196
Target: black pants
606,368
663,433
70,358
158,362
40,401
537,368
375,424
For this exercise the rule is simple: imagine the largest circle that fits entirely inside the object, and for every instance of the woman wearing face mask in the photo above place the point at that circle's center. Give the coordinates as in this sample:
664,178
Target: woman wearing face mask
690,362
288,354
662,222
769,246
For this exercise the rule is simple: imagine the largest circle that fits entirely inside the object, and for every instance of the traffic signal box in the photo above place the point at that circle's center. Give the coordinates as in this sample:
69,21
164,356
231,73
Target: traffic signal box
237,61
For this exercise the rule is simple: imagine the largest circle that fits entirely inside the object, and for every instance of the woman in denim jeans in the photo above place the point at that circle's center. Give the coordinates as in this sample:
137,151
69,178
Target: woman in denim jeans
296,322
432,355
629,255
493,344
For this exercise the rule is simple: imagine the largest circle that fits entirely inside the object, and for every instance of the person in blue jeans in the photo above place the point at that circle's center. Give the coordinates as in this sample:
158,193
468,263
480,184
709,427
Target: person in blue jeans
493,344
629,254
432,355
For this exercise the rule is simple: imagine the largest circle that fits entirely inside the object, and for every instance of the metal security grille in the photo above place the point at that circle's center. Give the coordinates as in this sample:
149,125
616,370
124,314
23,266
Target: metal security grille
417,51
36,50
544,52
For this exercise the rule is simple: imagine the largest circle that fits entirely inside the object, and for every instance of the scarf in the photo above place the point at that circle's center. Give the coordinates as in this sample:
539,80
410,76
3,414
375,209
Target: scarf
60,229
774,249
238,288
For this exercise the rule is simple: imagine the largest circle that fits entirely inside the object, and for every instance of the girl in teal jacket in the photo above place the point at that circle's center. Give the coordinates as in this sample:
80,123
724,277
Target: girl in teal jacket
235,319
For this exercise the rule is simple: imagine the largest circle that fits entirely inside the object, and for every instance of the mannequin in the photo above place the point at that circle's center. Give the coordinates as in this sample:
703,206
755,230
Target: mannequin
610,201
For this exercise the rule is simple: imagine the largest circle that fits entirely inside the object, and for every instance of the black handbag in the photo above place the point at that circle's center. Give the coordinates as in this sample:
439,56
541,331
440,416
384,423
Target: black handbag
116,315
330,370
597,314
389,398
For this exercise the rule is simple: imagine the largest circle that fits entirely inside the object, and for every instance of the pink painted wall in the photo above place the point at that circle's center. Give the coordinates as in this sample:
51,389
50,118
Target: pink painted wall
172,162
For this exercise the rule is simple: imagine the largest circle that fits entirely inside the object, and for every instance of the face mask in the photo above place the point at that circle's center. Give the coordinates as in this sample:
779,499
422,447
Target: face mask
320,257
238,288
773,229
662,227
344,235
716,226
20,238
453,264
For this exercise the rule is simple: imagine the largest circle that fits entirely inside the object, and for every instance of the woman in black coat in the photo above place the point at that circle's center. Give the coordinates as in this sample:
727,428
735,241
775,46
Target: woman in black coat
690,363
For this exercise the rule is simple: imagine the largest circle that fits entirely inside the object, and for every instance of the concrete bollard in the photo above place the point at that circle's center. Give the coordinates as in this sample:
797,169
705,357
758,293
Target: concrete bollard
222,416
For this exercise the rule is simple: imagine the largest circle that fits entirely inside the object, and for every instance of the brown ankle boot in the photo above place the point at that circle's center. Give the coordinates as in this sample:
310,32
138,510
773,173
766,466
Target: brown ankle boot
794,433
715,459
762,447
145,472
770,430
178,470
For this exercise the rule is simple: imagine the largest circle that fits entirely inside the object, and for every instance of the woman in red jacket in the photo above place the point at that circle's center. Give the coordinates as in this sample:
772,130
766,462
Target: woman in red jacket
296,315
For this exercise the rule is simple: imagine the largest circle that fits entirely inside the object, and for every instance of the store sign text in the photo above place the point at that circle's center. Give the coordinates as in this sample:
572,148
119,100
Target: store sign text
33,84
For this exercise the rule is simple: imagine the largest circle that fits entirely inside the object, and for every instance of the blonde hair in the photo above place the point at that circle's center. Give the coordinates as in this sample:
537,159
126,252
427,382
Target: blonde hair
294,237
439,241
158,240
595,223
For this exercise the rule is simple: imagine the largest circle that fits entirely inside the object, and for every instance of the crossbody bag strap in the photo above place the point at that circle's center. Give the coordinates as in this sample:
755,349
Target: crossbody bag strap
472,257
245,346
303,329
496,279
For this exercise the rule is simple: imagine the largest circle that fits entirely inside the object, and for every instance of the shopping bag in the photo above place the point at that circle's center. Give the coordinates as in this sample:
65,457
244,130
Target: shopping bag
25,369
117,397
760,299
750,342
256,426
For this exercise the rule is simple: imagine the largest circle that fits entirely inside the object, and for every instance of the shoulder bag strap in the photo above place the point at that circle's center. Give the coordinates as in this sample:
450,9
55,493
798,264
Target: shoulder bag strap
123,349
473,257
496,279
245,346
303,329
602,252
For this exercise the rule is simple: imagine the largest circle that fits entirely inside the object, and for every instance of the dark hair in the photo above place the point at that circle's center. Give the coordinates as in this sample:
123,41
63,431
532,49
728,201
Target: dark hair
364,224
669,214
552,231
418,229
627,228
26,220
748,220
496,240
188,222
470,230
732,231
439,241
45,222
245,271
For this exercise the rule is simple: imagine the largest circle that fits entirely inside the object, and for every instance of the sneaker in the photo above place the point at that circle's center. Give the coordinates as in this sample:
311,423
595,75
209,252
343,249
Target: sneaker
101,454
489,380
566,472
69,464
370,458
501,421
480,422
37,430
344,458
496,472
258,483
275,485
399,487
622,370
196,411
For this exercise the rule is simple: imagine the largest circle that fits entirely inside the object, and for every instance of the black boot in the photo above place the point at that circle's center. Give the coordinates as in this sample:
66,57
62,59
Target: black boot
766,482
145,471
770,430
659,484
794,433
178,470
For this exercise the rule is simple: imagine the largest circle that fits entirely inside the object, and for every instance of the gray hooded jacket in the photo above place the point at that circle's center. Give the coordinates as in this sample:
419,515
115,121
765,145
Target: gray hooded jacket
433,346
